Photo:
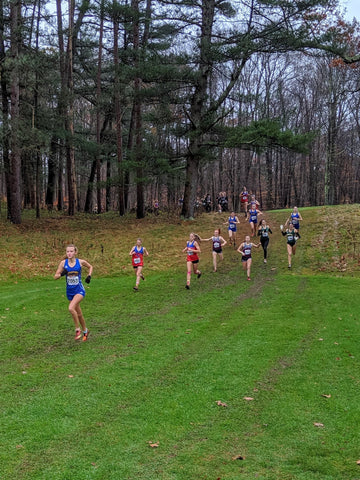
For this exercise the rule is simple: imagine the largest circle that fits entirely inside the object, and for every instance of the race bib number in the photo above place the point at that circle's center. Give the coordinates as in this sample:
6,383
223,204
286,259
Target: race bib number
73,280
247,251
290,238
216,245
137,260
232,226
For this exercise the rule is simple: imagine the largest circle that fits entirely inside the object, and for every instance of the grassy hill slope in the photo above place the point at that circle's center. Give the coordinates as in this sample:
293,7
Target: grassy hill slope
230,380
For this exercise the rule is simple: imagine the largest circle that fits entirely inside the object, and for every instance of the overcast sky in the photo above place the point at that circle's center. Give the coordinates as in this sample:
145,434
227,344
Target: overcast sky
353,9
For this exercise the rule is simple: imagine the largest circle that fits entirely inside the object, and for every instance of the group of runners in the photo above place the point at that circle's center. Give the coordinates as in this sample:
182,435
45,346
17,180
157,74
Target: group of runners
262,229
71,266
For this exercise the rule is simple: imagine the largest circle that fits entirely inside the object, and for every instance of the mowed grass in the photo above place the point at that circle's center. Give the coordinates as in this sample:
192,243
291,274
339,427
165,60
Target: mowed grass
230,380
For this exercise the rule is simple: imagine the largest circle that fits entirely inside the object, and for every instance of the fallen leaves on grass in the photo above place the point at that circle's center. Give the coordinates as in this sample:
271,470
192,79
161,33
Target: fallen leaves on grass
248,399
358,462
318,425
153,444
238,457
221,404
325,395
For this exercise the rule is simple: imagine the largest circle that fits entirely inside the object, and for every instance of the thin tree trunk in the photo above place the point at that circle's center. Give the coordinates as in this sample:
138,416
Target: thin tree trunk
36,106
15,152
98,110
51,177
118,117
5,110
70,151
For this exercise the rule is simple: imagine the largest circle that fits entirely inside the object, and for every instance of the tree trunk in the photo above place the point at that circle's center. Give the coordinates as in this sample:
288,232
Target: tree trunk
90,187
15,151
35,124
269,180
118,117
51,177
330,168
140,206
69,122
198,110
98,111
5,110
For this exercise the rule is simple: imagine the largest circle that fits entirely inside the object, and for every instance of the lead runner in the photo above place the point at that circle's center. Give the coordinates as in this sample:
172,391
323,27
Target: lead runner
71,268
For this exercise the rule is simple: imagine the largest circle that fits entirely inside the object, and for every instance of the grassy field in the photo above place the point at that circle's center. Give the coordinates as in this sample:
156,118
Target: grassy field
230,380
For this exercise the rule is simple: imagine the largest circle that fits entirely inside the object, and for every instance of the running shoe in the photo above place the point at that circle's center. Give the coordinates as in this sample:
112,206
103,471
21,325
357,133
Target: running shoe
78,334
187,287
249,279
142,276
85,335
199,275
136,289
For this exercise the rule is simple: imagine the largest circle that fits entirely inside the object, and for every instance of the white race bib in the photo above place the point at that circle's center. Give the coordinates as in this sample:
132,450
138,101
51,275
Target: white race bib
73,280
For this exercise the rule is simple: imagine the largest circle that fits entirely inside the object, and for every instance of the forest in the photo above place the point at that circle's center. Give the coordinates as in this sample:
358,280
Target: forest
110,105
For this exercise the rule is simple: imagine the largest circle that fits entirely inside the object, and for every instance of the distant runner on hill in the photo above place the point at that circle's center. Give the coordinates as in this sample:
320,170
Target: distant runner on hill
252,216
218,242
263,233
295,218
245,250
244,199
192,250
137,253
232,223
292,235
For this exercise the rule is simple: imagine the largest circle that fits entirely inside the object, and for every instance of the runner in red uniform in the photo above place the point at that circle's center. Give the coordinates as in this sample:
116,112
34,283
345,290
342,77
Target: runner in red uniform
244,199
137,253
192,259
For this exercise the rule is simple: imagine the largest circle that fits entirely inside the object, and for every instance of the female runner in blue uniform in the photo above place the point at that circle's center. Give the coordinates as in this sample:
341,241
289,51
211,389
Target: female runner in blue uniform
245,250
252,216
192,258
292,235
218,242
254,204
232,222
71,268
263,233
137,253
295,218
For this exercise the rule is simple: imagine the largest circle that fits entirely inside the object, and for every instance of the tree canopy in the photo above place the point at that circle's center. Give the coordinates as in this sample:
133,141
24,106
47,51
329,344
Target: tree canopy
109,104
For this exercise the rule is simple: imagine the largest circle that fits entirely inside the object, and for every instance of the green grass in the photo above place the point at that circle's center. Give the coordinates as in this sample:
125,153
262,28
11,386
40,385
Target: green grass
158,361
